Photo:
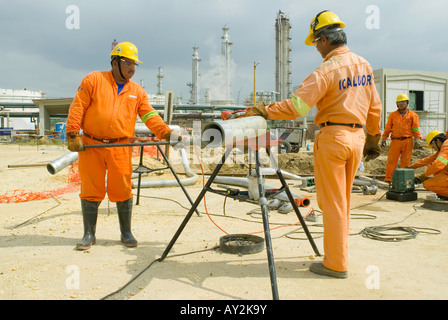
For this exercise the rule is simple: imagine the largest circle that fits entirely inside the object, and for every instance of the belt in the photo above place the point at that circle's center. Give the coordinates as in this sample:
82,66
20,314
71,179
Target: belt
353,125
103,140
400,138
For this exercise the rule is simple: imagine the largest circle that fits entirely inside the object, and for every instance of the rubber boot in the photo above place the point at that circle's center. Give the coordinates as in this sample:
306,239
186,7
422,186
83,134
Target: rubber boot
124,209
89,217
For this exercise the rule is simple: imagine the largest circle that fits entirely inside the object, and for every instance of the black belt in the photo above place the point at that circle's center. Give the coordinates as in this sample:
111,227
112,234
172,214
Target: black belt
353,125
103,140
400,138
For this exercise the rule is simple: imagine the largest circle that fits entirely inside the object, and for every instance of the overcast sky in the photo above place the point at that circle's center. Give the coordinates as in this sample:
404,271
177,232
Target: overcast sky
46,47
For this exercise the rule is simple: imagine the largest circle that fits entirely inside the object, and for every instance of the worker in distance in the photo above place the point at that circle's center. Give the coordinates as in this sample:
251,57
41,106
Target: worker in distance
343,90
435,177
105,107
404,127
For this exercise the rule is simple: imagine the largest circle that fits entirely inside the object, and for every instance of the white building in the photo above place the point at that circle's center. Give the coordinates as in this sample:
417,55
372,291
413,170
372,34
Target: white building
427,91
17,109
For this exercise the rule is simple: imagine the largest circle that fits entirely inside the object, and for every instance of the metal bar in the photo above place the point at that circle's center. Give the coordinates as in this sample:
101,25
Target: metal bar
27,165
165,157
139,177
196,203
109,145
267,233
296,209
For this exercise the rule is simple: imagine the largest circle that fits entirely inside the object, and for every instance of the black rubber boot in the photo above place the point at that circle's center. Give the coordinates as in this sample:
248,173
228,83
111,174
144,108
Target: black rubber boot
89,216
124,209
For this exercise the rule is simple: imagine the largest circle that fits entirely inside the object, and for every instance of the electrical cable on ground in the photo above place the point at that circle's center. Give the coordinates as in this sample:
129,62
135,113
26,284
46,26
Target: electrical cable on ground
396,234
110,295
38,215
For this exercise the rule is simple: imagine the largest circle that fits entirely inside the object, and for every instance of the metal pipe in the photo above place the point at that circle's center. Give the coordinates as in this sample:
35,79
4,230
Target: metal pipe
244,182
63,161
191,180
67,159
219,133
143,129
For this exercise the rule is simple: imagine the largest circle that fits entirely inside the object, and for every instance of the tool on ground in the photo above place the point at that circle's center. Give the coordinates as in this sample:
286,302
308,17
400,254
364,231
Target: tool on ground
402,186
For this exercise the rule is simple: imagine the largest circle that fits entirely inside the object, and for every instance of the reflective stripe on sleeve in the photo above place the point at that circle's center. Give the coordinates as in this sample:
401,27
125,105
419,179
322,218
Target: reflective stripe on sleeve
301,107
443,160
416,129
149,115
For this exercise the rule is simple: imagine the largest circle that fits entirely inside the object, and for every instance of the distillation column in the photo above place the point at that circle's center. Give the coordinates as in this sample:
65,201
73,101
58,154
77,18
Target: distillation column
226,54
194,85
160,76
282,57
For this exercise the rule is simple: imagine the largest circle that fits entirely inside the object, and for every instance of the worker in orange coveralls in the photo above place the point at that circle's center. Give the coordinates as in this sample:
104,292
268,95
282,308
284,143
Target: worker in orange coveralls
105,107
437,165
343,90
404,125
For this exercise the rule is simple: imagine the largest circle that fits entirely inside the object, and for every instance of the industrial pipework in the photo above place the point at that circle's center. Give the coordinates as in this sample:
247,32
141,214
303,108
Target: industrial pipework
219,133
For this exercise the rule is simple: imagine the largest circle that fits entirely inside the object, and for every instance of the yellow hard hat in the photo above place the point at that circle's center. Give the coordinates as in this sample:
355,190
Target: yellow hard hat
322,19
431,136
402,97
126,50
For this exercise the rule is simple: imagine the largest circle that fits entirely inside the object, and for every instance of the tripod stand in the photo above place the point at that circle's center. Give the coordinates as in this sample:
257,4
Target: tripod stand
262,202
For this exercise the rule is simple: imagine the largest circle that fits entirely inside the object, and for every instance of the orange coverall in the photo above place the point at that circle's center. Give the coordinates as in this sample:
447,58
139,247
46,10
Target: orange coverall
101,112
437,166
403,128
343,90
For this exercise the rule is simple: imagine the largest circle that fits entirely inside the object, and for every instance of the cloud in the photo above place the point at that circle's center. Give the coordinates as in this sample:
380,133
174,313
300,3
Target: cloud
42,53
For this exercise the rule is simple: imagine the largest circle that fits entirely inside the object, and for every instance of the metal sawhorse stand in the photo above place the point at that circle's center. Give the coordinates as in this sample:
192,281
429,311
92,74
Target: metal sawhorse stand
262,201
141,169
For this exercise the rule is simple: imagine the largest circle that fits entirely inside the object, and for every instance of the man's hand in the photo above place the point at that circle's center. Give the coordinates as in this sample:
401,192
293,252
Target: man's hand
74,142
417,144
383,143
371,148
258,110
419,179
172,135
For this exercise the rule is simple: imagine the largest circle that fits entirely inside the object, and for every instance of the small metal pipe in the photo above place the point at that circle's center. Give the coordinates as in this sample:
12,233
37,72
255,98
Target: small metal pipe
63,161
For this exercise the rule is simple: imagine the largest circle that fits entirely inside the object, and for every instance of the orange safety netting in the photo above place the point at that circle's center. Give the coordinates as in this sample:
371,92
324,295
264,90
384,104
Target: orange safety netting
23,196
73,178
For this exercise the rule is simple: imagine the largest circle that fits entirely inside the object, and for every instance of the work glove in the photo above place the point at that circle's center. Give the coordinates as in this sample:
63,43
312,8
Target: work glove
417,144
371,148
74,141
172,135
258,110
383,143
419,179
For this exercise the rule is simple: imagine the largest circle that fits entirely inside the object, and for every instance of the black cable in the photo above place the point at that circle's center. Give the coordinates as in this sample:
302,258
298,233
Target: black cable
394,234
149,266
389,234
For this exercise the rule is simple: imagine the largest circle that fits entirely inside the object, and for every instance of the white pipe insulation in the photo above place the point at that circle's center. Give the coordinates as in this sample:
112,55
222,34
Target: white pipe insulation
191,180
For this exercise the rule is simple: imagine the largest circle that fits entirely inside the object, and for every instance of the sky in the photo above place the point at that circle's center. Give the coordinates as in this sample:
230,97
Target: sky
51,45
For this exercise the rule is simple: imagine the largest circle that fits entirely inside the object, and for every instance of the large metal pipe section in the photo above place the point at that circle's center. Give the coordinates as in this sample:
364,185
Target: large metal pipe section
191,180
63,161
220,133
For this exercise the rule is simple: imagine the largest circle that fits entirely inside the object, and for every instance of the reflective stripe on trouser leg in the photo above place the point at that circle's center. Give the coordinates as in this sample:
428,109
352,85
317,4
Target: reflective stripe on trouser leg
337,154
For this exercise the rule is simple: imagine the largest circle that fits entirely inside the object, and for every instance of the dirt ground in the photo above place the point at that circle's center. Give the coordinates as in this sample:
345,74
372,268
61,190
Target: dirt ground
38,238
